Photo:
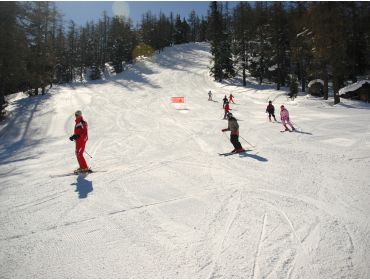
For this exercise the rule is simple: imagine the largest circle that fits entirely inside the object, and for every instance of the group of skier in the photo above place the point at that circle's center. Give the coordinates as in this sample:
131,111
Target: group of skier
80,135
233,125
284,115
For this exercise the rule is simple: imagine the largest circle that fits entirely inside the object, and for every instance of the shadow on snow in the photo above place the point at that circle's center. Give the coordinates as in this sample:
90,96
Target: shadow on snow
83,186
257,157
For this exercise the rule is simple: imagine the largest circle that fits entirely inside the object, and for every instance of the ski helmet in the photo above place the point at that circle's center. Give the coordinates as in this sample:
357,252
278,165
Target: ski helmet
78,113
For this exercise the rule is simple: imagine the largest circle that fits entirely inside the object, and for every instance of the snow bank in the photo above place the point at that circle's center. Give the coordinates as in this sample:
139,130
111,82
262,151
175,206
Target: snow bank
353,87
315,81
16,96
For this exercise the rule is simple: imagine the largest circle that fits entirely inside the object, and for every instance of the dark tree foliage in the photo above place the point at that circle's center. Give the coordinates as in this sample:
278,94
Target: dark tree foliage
267,40
312,40
220,45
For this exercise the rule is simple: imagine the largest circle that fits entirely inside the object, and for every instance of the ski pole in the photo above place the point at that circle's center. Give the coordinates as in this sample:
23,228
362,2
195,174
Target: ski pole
248,142
88,154
226,135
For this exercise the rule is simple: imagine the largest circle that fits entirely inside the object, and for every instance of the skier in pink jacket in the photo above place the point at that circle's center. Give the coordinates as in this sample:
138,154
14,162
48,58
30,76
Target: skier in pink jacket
284,116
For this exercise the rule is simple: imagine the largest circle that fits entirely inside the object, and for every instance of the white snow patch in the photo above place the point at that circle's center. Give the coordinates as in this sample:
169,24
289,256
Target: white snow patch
315,81
273,67
353,86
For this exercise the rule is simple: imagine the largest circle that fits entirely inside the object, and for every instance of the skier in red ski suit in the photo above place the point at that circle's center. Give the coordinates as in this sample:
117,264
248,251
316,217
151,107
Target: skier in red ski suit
227,109
80,137
231,98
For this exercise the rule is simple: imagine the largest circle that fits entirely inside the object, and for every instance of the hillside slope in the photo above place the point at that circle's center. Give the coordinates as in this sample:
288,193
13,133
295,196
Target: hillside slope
165,204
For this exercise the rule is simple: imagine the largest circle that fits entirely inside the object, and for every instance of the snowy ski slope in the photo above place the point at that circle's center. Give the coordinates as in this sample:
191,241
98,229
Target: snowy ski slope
165,204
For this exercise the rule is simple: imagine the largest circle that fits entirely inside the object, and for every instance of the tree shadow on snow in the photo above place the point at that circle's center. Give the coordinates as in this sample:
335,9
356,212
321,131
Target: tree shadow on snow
83,186
257,157
19,135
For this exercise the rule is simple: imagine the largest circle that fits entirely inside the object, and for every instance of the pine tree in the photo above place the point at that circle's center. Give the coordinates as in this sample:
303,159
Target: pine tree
279,43
220,45
328,24
243,32
300,42
41,63
260,53
12,51
293,87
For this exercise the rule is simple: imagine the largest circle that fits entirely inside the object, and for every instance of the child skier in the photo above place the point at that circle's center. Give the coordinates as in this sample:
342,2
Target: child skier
271,110
231,98
284,116
80,137
209,96
227,109
233,126
225,101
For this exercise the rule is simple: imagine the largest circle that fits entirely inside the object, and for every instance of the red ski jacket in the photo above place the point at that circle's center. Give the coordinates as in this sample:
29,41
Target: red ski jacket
81,130
227,108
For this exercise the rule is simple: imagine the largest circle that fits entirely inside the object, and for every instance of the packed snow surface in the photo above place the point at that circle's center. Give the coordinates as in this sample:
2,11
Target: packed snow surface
163,203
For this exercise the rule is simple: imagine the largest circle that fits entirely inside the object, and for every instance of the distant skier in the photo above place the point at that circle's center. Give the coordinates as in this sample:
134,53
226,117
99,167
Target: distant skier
80,137
271,110
210,96
226,109
284,116
231,98
225,101
233,126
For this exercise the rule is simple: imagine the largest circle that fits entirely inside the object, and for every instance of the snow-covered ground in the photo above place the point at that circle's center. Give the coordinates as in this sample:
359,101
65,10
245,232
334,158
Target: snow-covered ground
167,205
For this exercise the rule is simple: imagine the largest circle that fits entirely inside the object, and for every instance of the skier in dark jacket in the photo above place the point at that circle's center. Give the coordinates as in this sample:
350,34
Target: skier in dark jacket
225,100
233,127
271,110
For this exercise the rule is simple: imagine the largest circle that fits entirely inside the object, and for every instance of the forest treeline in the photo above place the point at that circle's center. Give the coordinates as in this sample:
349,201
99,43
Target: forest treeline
278,42
290,42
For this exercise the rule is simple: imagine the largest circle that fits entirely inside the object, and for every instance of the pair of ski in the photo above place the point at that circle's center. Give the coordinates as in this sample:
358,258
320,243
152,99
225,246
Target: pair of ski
234,153
288,130
76,173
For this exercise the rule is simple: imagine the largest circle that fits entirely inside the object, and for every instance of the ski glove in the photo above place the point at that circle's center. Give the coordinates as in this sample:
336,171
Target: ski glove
225,129
74,137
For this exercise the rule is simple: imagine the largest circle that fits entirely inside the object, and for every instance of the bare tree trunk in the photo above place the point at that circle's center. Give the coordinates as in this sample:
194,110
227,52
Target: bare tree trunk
326,84
336,90
2,100
244,76
303,84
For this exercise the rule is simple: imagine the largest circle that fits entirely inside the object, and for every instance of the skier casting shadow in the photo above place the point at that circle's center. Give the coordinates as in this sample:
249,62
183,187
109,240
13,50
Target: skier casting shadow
83,186
257,157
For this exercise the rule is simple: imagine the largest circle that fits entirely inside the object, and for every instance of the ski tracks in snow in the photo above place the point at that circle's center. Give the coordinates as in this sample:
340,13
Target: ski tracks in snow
222,237
255,272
